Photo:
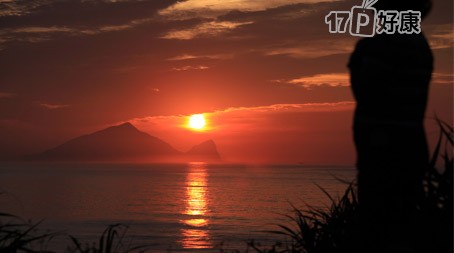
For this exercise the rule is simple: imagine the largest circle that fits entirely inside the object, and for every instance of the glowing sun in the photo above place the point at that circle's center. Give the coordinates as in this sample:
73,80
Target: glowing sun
197,122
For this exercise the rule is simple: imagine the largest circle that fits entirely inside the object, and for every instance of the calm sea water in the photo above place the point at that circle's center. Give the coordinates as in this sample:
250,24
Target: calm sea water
191,207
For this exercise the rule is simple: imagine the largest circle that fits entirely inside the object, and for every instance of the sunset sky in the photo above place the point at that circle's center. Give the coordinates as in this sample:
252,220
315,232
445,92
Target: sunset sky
268,76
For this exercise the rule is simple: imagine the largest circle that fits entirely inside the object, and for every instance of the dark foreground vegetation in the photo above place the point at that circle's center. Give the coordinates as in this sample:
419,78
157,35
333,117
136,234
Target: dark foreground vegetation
313,230
334,229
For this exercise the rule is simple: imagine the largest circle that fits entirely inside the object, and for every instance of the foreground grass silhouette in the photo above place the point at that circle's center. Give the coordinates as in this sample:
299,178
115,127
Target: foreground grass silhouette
314,230
21,236
332,230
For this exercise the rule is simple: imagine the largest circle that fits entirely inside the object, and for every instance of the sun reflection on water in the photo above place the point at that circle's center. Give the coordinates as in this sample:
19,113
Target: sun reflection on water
195,235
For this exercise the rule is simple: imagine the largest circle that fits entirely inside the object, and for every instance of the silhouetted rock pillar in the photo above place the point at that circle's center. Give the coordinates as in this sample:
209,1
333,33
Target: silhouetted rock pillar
390,76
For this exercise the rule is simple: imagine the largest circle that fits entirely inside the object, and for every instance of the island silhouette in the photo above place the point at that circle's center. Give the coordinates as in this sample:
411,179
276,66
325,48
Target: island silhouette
124,143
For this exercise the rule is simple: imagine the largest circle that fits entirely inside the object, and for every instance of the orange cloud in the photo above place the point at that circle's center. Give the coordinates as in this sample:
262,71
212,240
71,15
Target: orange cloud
209,29
443,78
185,68
441,36
307,107
220,117
333,80
213,8
184,57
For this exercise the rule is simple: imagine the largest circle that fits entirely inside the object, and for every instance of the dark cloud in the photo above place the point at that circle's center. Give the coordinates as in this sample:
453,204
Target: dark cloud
53,106
79,13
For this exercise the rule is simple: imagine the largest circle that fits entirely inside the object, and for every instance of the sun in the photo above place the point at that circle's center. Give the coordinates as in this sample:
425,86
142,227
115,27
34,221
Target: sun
197,122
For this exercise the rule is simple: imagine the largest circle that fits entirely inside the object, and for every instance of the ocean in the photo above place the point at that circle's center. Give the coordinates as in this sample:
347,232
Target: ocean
192,207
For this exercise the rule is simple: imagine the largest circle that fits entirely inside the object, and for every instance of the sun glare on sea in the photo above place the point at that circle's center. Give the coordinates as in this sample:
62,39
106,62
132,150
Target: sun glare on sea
197,122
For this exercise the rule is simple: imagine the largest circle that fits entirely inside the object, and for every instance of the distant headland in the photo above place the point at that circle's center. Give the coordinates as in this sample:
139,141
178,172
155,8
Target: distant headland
124,143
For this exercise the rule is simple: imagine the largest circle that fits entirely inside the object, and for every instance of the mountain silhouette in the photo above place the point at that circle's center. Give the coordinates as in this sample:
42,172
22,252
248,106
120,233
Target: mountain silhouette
205,151
124,143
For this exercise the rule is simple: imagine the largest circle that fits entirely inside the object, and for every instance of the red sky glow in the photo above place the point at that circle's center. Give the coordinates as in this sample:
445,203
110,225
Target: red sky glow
270,79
